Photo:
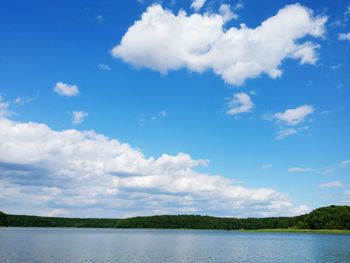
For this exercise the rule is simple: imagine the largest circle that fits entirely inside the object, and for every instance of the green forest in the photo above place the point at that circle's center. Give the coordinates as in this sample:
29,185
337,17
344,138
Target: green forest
40,221
331,217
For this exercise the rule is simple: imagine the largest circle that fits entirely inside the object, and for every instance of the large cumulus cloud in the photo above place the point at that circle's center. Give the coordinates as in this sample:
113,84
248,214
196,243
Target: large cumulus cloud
164,41
82,173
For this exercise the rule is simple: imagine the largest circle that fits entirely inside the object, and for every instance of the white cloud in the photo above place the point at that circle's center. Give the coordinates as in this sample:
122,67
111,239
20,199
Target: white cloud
6,105
345,163
240,103
160,115
344,36
329,171
226,13
143,118
18,101
334,184
336,66
79,116
239,5
306,53
22,101
104,67
266,166
4,108
87,174
299,170
200,42
197,4
64,89
282,134
294,116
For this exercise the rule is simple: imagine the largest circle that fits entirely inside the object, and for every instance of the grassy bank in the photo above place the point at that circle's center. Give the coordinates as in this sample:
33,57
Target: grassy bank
309,231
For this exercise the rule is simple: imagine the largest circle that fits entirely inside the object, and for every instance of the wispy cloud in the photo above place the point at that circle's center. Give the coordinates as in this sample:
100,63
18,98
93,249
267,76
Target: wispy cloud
104,67
160,115
79,116
144,118
344,163
284,133
266,166
344,36
333,184
294,116
19,101
329,171
4,108
299,170
336,66
240,103
290,117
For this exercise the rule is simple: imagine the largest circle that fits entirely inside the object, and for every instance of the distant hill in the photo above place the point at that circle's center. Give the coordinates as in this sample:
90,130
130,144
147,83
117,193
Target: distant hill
331,217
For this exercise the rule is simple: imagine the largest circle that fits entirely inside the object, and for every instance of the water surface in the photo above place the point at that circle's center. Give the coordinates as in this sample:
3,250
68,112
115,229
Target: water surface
153,246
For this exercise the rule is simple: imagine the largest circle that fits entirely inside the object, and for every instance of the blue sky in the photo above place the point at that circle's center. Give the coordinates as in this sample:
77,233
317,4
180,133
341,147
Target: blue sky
260,109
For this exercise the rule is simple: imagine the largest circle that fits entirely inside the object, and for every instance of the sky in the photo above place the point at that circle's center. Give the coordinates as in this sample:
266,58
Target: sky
141,107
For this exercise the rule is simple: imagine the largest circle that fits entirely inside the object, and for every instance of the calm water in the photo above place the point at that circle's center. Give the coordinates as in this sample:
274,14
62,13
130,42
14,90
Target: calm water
152,246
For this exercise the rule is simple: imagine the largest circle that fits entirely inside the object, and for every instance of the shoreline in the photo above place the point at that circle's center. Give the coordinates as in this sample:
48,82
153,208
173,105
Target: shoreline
302,231
275,231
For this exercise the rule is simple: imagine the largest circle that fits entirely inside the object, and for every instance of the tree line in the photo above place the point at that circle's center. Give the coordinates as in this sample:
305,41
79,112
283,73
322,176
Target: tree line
40,221
331,217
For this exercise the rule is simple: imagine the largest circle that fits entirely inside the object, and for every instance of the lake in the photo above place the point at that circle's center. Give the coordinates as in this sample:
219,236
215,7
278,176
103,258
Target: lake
152,246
